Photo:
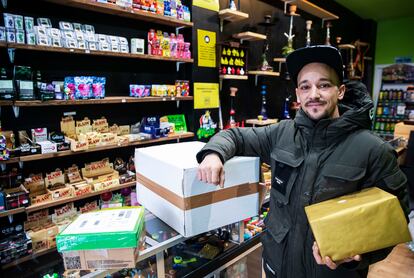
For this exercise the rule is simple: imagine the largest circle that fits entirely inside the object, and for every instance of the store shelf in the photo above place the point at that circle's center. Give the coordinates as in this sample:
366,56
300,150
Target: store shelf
107,100
264,73
12,211
409,122
279,60
28,258
238,77
95,53
11,160
346,46
312,9
6,102
249,36
50,204
232,16
3,44
143,142
262,122
123,12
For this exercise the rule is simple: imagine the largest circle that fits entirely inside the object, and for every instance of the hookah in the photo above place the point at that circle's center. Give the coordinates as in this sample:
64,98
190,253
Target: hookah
232,5
328,33
286,109
264,66
308,28
289,47
232,120
263,111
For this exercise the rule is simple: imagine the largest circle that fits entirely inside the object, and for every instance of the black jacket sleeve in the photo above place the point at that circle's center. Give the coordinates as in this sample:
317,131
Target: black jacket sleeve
249,141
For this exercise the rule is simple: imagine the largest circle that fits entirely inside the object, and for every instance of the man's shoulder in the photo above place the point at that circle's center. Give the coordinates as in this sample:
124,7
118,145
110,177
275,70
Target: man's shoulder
365,136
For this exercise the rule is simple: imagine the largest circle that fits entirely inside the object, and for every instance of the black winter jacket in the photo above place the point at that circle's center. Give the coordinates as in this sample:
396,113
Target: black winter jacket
312,162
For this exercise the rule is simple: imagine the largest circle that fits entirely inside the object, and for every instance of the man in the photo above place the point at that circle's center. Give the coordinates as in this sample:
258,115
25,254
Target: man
325,152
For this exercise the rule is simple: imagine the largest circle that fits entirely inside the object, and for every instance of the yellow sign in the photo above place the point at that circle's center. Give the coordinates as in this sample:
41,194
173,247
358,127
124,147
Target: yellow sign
206,48
207,4
206,95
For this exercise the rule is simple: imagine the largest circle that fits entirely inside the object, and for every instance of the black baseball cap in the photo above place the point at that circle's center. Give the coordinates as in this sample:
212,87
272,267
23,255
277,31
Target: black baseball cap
324,54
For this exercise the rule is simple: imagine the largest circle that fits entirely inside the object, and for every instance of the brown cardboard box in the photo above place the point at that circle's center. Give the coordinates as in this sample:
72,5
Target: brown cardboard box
101,259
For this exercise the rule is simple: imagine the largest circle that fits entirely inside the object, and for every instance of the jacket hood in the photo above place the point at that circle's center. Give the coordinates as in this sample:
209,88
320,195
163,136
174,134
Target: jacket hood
354,109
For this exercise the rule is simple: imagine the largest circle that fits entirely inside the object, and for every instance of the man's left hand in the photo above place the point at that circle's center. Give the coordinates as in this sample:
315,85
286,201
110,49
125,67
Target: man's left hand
328,261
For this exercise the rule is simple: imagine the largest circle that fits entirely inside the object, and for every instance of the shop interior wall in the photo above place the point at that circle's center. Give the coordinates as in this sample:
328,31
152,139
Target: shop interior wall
119,73
248,102
394,39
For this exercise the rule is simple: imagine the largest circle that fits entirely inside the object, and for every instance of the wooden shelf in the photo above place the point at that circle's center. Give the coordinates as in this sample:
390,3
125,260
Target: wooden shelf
262,72
123,12
346,46
262,122
313,9
11,160
107,100
279,60
97,149
28,258
95,53
232,16
6,102
50,204
249,36
12,211
3,44
237,77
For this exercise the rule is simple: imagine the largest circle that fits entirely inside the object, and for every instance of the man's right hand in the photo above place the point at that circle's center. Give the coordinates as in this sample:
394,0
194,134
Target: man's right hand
211,170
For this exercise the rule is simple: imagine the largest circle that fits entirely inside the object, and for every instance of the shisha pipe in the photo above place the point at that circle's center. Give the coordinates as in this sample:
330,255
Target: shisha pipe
328,33
263,111
232,120
308,28
267,24
289,48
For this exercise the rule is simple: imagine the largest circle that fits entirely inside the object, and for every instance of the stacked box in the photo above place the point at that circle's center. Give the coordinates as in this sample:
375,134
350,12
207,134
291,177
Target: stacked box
104,239
167,185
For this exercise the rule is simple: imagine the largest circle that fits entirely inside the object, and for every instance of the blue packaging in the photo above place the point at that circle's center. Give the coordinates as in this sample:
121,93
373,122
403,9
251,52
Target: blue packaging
83,87
2,203
98,87
69,87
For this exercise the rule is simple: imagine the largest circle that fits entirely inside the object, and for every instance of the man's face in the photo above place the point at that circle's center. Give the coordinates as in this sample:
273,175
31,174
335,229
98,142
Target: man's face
318,91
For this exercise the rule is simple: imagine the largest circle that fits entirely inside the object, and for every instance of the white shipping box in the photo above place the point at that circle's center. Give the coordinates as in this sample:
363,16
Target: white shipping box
167,185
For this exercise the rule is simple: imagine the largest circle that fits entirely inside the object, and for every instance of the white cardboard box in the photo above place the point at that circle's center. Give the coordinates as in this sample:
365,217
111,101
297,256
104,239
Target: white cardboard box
173,169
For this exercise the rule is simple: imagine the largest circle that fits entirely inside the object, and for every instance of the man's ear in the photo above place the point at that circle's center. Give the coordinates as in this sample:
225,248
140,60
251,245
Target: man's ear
341,91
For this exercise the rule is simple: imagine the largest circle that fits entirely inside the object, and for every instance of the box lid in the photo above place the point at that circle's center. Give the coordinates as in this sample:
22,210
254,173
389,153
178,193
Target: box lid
104,229
180,155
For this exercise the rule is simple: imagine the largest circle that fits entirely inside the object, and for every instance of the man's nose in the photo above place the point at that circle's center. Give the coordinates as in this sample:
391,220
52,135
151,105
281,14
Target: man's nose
314,92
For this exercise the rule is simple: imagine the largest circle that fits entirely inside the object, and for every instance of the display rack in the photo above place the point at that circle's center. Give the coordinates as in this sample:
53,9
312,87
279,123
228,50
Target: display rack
256,122
235,77
28,258
55,203
112,9
94,52
106,100
34,157
258,73
312,9
12,212
249,36
232,16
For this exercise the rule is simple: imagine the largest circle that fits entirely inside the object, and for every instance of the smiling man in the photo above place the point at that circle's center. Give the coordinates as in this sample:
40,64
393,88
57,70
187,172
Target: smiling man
325,152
